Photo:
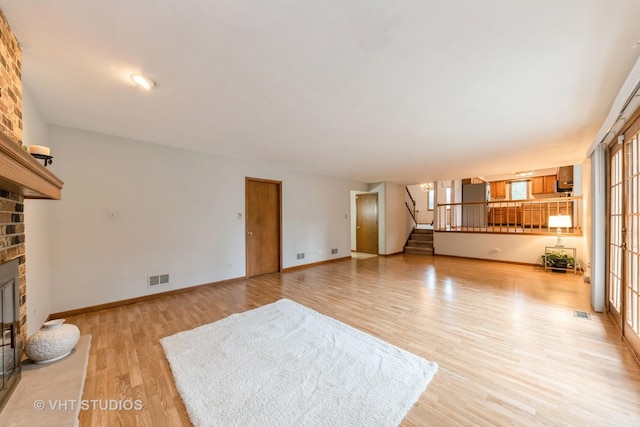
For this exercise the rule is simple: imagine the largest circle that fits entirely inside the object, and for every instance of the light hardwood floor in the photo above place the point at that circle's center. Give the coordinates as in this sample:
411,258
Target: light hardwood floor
509,348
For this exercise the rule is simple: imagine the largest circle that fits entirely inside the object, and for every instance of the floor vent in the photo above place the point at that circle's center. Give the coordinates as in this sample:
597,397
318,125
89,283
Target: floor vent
581,314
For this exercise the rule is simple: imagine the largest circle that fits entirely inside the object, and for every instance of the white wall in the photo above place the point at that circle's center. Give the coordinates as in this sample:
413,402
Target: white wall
172,211
37,227
423,214
397,218
511,247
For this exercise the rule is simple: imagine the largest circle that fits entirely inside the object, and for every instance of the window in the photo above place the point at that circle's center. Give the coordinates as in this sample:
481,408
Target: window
448,195
431,199
518,190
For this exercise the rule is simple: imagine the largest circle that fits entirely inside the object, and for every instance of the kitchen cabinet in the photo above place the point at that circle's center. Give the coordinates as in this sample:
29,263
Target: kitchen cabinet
561,208
543,184
498,189
534,215
505,215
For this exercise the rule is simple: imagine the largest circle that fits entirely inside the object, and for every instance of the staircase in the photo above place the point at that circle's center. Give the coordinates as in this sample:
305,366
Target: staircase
420,242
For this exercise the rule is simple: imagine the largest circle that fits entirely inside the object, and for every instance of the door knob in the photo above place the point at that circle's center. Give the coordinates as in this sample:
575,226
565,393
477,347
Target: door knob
358,227
250,233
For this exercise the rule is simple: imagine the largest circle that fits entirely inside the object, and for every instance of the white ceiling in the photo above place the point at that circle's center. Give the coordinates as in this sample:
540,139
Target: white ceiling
372,90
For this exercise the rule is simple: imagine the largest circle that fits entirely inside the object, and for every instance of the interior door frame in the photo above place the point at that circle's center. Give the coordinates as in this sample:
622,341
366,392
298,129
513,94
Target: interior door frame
631,129
246,220
377,221
616,315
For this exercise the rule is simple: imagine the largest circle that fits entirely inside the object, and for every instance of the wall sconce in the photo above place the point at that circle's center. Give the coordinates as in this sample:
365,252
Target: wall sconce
42,153
559,222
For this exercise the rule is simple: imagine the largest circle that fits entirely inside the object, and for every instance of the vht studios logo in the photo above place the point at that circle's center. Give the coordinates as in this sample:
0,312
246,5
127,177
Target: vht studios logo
84,405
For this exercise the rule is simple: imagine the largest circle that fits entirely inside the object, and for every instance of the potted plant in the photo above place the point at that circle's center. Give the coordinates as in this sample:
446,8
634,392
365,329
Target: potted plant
558,261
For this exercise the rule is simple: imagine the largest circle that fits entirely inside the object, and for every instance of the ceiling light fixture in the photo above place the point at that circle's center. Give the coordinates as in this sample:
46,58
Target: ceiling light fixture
142,81
525,173
426,186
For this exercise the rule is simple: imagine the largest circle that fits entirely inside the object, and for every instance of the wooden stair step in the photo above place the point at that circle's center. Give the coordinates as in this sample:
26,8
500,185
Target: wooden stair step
423,237
418,250
420,243
423,231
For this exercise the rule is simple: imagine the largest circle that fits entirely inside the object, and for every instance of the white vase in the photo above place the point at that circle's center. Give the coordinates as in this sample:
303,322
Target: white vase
52,342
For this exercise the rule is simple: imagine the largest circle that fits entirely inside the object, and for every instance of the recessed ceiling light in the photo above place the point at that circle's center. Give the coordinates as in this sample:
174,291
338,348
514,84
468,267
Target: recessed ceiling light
142,81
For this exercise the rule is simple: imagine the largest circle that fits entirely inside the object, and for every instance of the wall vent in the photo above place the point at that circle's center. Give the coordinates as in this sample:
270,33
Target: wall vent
161,279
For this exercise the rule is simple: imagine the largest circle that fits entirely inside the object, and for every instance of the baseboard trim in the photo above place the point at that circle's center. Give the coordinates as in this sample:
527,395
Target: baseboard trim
491,260
314,264
90,309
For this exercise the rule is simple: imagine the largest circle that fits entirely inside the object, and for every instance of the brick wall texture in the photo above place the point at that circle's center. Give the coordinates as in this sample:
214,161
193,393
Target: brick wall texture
12,204
12,246
10,83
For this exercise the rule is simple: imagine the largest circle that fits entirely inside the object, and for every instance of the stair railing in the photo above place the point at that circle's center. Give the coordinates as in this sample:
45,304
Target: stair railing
410,204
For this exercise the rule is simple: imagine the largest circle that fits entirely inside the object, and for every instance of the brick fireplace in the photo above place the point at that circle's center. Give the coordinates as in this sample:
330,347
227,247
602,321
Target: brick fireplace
21,176
11,203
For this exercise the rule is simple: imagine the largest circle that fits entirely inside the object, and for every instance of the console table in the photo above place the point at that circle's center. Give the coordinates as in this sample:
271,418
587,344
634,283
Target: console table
549,249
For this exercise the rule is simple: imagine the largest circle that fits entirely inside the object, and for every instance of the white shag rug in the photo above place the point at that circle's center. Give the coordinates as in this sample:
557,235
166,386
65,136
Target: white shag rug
283,364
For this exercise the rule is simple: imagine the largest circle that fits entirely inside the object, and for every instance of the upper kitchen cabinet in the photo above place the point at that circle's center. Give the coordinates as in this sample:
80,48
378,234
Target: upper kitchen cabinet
543,184
498,189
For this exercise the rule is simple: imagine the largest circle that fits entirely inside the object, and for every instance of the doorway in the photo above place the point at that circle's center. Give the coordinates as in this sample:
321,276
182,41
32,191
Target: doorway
263,225
623,278
367,223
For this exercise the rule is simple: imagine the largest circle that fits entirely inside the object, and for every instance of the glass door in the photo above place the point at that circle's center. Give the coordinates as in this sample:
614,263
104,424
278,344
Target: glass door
631,246
623,281
616,235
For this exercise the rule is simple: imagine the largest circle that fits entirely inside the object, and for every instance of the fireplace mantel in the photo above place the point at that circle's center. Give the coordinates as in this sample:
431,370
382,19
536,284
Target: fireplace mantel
23,174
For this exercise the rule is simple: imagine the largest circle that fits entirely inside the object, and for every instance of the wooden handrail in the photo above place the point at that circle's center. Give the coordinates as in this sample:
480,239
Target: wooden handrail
510,216
411,205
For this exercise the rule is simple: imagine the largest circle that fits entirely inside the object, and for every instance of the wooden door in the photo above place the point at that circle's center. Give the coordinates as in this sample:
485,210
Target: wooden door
367,223
263,222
